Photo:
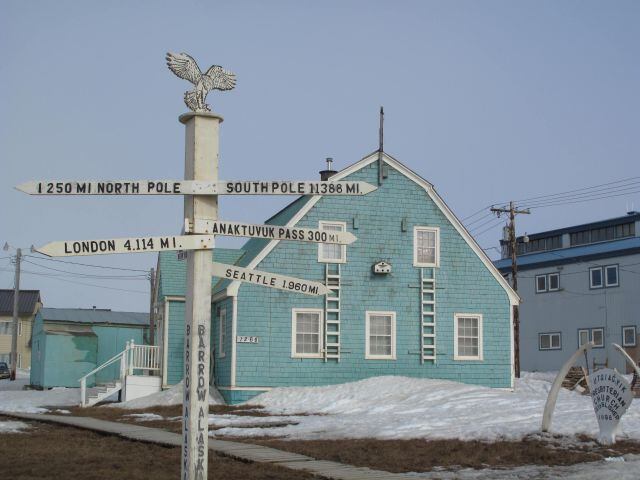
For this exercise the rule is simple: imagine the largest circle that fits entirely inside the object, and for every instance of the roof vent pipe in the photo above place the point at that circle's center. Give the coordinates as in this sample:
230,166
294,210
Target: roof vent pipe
329,172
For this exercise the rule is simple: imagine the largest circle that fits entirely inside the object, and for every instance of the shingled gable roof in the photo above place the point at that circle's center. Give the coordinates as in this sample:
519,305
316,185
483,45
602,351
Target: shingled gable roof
27,300
296,210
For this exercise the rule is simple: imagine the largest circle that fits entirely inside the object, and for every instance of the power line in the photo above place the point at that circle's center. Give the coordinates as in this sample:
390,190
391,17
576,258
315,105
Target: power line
87,264
578,189
57,277
489,228
553,204
89,275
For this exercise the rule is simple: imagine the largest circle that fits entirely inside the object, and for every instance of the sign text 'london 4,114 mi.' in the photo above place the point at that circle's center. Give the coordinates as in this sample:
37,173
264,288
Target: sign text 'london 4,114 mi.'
71,248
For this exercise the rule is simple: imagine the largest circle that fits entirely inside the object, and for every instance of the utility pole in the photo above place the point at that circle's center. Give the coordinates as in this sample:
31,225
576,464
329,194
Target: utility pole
152,311
513,211
14,333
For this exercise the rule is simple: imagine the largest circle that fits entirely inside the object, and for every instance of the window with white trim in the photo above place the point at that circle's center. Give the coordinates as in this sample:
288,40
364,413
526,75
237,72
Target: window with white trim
554,282
597,337
332,252
611,275
222,331
306,333
629,336
541,283
605,276
583,337
5,328
426,246
595,277
550,341
380,335
467,337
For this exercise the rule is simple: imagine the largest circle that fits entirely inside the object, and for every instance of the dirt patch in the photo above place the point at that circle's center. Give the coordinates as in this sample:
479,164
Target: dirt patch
422,456
52,452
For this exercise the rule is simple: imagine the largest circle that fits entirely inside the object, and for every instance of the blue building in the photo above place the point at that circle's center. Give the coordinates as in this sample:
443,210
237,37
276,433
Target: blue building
579,284
68,343
436,307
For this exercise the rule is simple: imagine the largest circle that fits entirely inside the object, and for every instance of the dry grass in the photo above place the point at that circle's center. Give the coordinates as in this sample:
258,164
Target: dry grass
48,451
422,455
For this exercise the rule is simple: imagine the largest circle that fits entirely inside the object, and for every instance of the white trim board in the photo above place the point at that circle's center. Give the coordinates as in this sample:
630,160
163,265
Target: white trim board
232,289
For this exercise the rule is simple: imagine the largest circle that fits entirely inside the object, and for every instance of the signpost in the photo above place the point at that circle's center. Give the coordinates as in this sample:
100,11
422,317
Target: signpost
272,280
201,188
70,248
194,187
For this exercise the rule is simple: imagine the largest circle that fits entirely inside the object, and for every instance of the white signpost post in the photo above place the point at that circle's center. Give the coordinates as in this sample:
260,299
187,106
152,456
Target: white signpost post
201,188
194,187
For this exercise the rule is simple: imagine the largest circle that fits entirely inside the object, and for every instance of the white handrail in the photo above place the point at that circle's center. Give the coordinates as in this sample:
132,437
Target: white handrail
133,357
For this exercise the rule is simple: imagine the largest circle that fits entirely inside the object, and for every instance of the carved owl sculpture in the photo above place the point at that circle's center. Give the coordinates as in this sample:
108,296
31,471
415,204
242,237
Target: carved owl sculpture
216,78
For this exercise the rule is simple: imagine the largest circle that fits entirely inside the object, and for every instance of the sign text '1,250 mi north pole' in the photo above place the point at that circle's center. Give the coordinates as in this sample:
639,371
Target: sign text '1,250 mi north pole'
194,187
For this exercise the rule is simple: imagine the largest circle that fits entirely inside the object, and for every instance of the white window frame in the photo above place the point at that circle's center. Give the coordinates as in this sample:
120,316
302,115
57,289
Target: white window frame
435,230
591,285
369,356
343,248
549,282
7,328
635,334
605,277
541,290
222,331
19,361
457,316
550,335
320,352
19,328
594,344
583,330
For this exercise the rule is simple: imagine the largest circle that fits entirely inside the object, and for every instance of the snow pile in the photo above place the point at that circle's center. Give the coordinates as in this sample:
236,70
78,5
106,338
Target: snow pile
12,427
33,401
172,396
145,417
244,421
400,407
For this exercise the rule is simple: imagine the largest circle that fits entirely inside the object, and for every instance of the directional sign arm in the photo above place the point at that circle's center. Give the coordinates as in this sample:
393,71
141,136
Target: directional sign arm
277,232
71,248
194,187
266,279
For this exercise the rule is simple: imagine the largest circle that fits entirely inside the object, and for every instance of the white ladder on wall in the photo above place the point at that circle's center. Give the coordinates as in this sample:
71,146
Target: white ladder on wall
428,315
332,313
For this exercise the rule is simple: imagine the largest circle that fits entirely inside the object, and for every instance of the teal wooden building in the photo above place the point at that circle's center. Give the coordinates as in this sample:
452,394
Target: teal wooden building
68,343
415,296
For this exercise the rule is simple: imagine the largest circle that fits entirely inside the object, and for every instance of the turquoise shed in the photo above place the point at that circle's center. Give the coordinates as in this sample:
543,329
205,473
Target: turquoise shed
68,343
415,295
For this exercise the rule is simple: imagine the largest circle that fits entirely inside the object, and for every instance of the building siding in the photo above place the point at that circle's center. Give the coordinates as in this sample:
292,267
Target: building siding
463,284
576,306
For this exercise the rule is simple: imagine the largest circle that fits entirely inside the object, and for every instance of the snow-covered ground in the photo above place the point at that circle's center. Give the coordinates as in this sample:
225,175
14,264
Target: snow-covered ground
10,426
400,408
13,397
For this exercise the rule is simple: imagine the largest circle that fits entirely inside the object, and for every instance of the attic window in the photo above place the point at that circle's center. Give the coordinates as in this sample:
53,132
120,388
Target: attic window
426,246
331,252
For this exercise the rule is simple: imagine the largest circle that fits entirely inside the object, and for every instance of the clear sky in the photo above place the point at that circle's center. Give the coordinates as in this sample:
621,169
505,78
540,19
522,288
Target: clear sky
490,101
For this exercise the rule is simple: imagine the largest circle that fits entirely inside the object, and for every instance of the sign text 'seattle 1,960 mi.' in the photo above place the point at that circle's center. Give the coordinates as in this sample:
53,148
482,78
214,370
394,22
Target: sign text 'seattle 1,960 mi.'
195,187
